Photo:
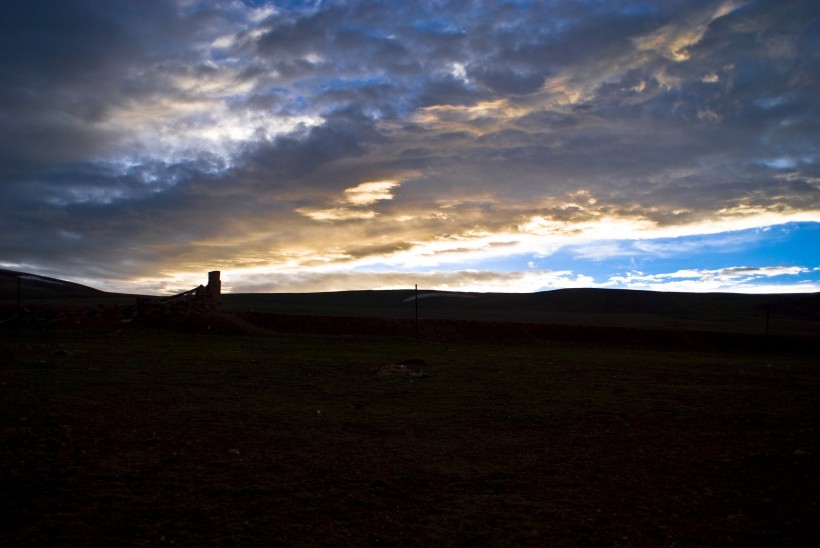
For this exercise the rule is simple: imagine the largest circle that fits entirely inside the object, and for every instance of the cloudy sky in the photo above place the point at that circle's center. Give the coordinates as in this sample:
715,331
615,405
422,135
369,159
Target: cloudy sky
496,145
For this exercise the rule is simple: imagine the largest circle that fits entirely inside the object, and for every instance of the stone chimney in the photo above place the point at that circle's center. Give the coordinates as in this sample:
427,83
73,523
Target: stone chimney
213,292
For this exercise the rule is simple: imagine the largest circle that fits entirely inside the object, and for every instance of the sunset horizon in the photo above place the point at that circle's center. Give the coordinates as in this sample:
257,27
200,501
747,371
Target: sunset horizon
501,146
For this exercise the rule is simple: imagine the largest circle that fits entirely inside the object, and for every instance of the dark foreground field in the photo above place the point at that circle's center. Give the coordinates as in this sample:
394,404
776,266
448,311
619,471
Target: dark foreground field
144,435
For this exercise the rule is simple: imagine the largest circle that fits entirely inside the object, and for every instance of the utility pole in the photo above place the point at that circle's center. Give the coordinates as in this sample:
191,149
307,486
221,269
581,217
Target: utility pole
417,311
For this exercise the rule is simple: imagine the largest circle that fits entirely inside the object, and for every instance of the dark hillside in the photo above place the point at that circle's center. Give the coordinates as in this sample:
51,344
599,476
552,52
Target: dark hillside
35,289
42,287
787,314
797,314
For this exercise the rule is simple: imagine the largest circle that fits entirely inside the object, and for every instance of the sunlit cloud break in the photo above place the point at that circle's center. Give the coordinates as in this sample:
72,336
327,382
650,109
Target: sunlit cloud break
369,193
724,279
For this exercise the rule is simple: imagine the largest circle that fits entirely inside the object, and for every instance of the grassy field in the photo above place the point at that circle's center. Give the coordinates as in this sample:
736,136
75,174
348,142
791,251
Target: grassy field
140,435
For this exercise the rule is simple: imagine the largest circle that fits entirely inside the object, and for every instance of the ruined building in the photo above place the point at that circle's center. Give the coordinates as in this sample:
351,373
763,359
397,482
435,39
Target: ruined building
213,291
201,298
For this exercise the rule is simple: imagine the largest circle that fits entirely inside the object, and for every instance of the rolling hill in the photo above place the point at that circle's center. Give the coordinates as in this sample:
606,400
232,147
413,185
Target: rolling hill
34,288
787,314
791,314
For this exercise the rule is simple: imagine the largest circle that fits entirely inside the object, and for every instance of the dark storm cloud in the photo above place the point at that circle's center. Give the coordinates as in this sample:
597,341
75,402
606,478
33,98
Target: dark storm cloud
290,159
507,81
148,136
62,65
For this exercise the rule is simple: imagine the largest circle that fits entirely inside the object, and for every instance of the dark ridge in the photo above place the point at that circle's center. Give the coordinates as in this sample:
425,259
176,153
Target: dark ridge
41,289
796,314
774,314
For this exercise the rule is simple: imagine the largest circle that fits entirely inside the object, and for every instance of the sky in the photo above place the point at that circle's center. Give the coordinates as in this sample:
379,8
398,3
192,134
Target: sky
515,146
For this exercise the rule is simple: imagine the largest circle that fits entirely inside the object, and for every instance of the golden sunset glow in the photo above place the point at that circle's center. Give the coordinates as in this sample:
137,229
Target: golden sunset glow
313,146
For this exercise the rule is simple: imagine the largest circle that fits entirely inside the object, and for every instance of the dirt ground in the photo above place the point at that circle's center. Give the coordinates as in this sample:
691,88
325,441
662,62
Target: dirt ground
138,435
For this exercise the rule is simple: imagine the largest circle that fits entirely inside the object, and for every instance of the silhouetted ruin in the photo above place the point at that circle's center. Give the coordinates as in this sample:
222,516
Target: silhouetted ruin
201,298
213,292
